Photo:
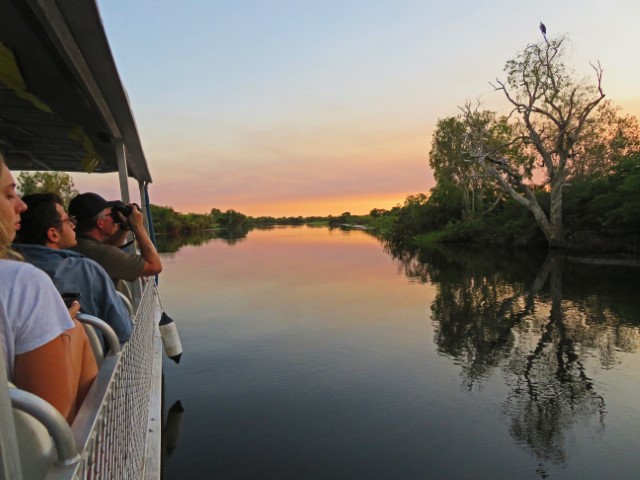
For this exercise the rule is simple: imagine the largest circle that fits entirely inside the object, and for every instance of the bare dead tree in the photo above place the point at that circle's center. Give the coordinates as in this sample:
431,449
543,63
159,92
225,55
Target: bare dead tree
550,107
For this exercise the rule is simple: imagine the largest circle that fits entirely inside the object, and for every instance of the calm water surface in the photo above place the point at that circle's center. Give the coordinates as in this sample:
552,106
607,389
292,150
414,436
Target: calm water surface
317,354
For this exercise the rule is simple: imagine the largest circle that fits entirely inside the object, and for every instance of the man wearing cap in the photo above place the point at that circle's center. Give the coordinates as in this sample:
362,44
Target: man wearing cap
45,237
101,231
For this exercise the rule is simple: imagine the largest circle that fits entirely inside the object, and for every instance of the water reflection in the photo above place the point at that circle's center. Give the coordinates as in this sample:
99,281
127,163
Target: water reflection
309,357
170,243
172,428
171,431
542,322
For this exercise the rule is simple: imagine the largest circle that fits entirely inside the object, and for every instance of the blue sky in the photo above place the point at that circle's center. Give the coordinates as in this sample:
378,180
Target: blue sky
319,107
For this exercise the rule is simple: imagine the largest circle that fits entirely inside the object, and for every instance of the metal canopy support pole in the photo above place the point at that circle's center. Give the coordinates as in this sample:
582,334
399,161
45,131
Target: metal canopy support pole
126,198
143,204
123,172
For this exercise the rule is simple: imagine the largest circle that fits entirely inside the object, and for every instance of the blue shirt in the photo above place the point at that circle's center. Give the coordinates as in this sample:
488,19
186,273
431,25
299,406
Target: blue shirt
73,272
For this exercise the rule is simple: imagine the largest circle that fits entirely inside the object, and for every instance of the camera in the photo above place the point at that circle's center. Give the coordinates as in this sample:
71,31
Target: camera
123,208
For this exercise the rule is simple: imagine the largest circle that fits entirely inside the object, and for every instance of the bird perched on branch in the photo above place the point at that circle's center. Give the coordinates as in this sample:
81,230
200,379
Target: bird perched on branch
543,29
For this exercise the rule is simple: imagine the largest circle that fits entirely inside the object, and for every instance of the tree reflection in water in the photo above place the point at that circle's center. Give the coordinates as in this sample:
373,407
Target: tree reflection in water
170,243
506,312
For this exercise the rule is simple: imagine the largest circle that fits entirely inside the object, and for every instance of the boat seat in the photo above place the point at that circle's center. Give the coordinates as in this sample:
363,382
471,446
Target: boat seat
35,445
38,450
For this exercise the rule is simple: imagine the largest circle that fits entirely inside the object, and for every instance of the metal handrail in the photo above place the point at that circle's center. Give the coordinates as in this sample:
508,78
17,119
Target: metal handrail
126,301
52,420
109,335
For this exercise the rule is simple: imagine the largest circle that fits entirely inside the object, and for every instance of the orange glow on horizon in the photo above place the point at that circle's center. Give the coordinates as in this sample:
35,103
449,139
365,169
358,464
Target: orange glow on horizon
356,205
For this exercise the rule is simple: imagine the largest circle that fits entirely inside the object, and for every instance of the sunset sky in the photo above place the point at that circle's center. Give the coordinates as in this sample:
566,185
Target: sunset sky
318,107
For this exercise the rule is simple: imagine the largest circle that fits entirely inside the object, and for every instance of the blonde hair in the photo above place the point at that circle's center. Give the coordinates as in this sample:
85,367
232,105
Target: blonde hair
5,242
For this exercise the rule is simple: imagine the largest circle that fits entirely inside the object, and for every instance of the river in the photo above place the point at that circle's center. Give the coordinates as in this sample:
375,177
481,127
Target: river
323,354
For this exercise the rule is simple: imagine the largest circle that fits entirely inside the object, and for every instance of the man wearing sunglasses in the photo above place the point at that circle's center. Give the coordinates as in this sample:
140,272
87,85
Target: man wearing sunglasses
46,235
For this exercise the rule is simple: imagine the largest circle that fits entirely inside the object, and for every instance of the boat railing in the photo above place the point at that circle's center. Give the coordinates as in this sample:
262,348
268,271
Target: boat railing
127,302
108,333
118,426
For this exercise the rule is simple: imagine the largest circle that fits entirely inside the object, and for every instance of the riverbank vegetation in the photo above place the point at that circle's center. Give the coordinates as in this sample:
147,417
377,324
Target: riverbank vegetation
167,220
599,216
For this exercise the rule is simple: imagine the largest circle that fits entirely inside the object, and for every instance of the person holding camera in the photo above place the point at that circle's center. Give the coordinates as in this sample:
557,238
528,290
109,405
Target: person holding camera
102,228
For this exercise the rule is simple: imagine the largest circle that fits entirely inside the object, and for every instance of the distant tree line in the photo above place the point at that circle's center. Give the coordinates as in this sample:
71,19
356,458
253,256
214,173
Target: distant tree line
166,220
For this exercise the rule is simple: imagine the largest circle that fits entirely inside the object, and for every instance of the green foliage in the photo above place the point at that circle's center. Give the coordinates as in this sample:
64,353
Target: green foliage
262,221
384,224
407,221
232,220
444,206
377,212
472,229
510,224
167,220
600,211
454,143
607,205
271,221
429,238
216,213
608,137
59,183
291,220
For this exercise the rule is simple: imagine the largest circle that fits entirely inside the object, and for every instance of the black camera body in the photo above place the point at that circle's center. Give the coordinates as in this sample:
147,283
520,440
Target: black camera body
70,297
123,208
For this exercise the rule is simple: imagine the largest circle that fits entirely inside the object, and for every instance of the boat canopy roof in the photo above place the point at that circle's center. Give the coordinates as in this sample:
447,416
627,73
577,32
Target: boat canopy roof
62,104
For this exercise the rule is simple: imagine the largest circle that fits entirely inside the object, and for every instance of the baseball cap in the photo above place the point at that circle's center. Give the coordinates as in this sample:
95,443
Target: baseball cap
86,206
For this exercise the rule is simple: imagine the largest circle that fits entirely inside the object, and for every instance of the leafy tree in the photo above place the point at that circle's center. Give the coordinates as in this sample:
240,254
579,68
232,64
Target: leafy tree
608,139
165,219
59,183
449,158
216,213
377,212
409,219
445,205
345,217
232,220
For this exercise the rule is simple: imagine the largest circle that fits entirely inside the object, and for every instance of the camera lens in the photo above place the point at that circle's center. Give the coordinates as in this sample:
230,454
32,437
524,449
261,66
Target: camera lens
121,208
